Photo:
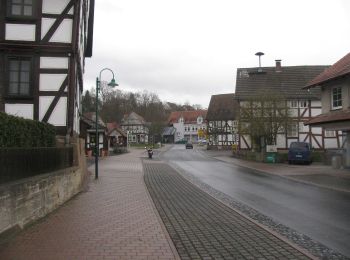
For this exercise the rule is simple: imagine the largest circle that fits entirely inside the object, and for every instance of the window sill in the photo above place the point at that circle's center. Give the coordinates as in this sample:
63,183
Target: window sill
336,108
18,97
25,19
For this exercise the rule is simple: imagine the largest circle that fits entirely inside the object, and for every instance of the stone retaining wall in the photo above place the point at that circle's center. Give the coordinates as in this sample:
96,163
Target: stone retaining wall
27,200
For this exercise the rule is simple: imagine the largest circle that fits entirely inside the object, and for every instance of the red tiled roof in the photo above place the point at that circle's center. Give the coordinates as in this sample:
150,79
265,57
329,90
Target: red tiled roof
338,69
111,126
189,116
334,116
114,126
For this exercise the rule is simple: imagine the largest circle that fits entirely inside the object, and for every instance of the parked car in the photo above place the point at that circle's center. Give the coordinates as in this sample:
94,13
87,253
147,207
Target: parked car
300,152
182,141
189,146
202,142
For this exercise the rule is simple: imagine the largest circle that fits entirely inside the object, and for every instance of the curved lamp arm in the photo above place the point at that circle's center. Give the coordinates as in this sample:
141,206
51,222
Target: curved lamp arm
111,84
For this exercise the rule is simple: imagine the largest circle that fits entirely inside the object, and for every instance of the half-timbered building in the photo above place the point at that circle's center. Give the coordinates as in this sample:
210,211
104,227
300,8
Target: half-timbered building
116,136
136,128
221,121
43,44
88,133
335,86
287,82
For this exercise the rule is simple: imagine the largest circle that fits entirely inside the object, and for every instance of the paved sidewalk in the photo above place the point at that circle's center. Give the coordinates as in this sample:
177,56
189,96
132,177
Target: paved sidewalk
114,219
316,174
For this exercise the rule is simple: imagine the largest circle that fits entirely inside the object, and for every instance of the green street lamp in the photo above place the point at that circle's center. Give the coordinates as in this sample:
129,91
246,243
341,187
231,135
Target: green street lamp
97,141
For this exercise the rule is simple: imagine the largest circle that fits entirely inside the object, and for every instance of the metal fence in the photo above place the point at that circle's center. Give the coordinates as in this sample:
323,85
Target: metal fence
19,163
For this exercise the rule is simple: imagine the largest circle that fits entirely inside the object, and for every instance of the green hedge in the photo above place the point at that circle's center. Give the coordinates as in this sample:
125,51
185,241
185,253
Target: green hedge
281,156
20,132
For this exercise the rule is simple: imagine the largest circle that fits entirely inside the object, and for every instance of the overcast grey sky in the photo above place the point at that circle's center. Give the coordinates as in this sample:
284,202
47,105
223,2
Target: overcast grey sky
188,50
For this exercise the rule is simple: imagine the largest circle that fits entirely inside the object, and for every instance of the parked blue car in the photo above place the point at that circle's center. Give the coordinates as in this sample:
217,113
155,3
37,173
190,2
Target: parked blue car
300,152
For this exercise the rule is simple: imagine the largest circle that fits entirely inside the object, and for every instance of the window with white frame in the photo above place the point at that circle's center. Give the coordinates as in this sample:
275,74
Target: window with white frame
336,98
303,103
329,133
293,130
293,103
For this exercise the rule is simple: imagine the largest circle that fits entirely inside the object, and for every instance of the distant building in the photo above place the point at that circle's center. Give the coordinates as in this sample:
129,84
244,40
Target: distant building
335,86
304,105
188,124
116,136
136,127
168,135
222,131
88,133
43,45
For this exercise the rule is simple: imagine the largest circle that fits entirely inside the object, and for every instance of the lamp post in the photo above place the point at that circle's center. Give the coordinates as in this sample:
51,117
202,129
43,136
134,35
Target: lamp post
97,140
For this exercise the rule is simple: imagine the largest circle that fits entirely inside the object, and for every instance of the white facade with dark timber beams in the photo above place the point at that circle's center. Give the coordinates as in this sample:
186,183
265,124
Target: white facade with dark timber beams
288,82
43,44
136,128
222,124
334,84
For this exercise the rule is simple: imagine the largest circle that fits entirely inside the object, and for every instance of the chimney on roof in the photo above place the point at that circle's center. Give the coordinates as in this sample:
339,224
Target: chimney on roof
259,54
278,66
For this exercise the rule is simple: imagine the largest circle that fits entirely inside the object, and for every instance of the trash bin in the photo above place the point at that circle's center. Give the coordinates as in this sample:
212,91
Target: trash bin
270,158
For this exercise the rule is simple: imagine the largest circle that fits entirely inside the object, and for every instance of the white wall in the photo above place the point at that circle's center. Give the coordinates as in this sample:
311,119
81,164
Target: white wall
20,110
20,32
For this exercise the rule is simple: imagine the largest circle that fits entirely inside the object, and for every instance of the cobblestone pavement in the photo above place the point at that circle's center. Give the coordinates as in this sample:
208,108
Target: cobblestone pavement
203,228
114,219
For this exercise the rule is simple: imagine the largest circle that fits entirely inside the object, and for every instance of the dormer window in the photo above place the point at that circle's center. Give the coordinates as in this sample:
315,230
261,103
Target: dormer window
199,120
181,120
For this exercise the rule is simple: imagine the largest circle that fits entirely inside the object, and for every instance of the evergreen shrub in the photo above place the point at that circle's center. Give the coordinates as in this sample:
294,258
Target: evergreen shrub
20,132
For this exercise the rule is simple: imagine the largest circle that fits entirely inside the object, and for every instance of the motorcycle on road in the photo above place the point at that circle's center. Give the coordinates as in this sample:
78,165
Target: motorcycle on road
149,152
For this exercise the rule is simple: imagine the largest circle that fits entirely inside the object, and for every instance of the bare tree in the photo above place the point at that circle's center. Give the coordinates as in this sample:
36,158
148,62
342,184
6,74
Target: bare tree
107,92
263,117
114,104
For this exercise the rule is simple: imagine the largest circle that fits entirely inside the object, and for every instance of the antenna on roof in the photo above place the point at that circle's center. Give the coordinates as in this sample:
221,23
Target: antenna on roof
259,54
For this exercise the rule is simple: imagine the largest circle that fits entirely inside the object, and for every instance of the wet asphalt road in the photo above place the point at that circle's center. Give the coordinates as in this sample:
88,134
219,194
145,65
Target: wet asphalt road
321,214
